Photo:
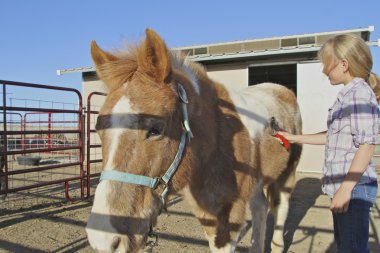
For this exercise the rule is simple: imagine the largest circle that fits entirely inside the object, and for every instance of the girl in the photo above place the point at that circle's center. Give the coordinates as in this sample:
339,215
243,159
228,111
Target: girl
349,177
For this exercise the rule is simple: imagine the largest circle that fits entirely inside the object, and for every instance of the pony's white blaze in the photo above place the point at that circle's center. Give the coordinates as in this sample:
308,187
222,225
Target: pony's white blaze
101,233
123,106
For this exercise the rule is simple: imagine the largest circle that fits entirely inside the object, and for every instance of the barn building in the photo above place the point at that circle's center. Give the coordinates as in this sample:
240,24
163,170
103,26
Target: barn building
287,60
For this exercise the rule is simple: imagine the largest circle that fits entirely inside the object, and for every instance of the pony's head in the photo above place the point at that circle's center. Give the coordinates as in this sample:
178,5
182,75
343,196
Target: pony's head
140,126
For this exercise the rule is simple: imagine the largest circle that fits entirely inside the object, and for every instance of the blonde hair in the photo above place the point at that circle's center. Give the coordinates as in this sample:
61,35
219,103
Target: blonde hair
356,52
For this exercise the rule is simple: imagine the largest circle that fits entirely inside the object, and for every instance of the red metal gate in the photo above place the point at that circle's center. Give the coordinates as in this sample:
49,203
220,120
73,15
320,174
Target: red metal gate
44,146
93,157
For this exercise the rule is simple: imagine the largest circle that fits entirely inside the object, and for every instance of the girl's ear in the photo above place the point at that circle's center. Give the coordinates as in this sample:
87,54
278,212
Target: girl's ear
345,65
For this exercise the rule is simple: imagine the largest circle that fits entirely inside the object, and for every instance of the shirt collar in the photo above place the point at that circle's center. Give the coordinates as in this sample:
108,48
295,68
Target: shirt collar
348,87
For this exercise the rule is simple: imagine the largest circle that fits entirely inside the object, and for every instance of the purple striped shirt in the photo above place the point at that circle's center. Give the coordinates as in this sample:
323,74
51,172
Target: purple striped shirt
352,120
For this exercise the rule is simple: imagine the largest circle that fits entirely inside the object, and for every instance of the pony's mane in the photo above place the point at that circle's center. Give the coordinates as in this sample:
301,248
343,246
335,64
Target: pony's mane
191,69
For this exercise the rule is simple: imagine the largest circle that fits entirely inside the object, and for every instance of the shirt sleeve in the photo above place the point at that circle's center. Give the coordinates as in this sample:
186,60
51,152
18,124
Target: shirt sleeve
364,118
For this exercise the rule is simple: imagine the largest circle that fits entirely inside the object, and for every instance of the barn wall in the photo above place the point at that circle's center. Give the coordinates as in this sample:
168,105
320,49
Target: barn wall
315,96
90,86
231,75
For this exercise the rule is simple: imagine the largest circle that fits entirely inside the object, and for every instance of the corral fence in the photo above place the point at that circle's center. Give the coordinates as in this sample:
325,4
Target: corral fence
48,150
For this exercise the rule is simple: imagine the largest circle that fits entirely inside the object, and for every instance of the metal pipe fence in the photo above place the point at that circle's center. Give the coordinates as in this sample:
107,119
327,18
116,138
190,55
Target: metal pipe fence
48,142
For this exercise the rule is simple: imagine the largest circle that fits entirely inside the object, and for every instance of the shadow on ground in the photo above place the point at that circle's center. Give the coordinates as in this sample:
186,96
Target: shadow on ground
304,196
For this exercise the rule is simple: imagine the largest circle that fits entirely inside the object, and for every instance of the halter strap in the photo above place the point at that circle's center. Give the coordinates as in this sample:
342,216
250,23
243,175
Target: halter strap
125,177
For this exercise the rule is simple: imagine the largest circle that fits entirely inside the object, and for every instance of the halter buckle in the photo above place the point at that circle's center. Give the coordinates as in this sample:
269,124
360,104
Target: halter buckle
159,181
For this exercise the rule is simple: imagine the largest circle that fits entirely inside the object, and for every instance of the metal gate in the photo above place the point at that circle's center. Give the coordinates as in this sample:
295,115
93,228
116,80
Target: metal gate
93,152
41,143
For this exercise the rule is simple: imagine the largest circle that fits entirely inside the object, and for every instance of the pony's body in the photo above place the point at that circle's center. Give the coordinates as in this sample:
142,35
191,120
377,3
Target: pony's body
226,165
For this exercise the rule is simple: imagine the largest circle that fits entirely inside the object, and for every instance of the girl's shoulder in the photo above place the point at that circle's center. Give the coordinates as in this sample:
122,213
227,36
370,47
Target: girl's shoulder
362,91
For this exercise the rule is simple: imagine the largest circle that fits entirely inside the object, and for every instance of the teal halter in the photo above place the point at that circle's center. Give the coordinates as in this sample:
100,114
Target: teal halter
153,182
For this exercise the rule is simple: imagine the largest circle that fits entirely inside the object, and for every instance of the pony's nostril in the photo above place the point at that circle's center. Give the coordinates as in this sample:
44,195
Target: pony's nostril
115,243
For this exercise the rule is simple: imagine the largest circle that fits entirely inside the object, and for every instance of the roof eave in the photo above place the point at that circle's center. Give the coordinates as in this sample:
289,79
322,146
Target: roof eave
250,54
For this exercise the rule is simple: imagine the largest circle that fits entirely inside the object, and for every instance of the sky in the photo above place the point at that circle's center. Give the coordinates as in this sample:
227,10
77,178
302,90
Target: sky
39,37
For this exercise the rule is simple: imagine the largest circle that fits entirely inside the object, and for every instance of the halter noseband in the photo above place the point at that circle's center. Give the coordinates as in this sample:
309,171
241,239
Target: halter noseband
153,182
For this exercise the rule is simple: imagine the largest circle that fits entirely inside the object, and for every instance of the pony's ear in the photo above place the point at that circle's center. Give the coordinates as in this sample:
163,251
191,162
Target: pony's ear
112,70
99,56
154,57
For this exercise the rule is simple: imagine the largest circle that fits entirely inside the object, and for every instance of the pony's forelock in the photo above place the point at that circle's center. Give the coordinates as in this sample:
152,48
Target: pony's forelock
116,73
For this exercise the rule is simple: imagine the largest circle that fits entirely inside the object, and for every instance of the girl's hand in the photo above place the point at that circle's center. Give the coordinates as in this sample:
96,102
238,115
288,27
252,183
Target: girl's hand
341,200
290,137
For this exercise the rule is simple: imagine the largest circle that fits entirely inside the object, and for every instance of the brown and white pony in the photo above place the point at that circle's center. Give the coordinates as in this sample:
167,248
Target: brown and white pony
228,163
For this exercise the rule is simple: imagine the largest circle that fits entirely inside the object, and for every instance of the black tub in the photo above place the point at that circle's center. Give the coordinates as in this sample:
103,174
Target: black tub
28,160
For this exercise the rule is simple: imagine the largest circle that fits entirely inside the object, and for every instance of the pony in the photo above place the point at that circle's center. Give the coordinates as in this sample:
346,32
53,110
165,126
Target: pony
163,111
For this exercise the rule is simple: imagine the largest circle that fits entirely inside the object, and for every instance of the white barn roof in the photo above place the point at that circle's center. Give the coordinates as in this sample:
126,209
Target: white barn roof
256,47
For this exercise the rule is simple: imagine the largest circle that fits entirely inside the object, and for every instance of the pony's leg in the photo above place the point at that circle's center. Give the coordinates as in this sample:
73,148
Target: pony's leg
280,196
280,213
229,225
259,211
222,230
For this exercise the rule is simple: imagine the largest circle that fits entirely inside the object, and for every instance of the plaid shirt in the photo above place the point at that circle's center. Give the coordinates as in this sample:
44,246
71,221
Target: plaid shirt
352,120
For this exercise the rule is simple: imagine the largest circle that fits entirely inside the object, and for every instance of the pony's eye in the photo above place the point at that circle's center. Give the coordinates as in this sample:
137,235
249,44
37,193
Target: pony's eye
153,132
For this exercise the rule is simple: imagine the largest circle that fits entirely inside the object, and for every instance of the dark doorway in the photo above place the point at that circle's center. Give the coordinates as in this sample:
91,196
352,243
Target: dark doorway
285,74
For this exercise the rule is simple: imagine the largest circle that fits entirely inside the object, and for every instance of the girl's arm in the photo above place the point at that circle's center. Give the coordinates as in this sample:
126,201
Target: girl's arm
315,139
342,197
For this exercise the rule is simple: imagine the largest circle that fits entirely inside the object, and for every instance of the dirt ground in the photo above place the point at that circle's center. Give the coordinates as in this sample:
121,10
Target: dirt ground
60,227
